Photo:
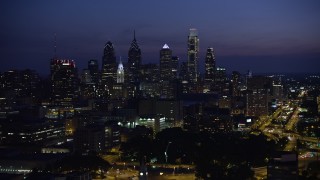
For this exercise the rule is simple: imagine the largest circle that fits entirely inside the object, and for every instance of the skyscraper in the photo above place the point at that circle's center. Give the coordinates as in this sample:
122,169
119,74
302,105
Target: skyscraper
109,64
175,67
235,83
193,59
134,61
258,92
94,70
210,65
165,63
64,81
220,75
120,73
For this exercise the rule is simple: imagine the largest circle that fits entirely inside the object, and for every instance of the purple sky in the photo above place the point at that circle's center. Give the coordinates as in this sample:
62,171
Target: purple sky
264,36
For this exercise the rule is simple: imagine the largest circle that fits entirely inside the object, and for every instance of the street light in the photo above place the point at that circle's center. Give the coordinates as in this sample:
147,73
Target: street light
165,153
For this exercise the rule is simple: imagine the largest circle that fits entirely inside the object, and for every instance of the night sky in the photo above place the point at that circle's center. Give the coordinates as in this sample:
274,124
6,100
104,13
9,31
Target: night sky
263,36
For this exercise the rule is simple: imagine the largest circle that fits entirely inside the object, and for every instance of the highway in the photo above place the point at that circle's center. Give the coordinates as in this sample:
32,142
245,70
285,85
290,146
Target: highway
286,118
292,122
260,172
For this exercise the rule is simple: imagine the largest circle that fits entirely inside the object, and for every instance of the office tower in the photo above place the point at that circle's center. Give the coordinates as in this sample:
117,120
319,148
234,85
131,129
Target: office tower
93,67
170,109
89,139
183,75
112,135
89,80
21,83
150,89
134,61
64,81
210,65
258,92
165,63
150,72
235,83
168,67
150,86
193,59
318,102
277,89
220,75
175,67
156,122
248,76
109,64
120,73
86,76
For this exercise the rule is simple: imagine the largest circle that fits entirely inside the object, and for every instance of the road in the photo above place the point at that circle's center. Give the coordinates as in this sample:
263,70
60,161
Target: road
291,145
292,123
260,172
127,170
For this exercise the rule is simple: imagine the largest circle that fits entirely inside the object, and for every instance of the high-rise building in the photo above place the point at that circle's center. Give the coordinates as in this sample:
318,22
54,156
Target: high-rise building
64,81
90,80
175,67
183,75
193,59
220,75
150,72
89,139
134,61
277,89
22,83
120,73
165,63
248,76
210,65
258,92
93,67
112,135
109,64
86,76
171,109
235,83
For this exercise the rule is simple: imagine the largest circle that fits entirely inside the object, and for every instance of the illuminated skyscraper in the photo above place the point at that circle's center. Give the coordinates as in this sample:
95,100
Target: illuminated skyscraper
210,65
94,70
64,81
193,59
120,73
235,83
175,67
258,92
109,64
165,63
21,83
134,61
220,75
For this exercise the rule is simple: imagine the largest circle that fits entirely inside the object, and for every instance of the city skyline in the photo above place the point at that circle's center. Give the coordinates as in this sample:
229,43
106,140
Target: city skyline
263,37
160,90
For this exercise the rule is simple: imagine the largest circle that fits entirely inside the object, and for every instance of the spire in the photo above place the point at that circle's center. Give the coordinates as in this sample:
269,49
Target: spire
120,66
55,45
134,34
